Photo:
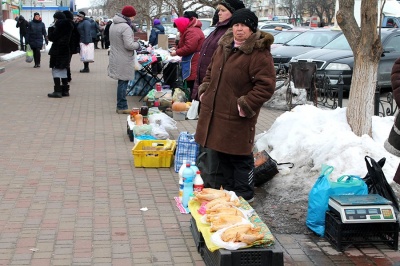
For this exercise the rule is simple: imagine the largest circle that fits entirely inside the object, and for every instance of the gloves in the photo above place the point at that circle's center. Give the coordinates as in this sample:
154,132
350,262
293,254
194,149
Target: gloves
85,43
46,40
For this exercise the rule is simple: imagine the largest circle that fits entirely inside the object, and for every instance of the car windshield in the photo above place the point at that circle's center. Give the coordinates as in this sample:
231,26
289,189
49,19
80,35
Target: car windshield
285,36
340,43
313,38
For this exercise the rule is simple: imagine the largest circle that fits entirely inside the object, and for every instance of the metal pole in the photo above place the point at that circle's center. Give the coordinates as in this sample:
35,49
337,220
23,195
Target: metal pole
340,91
377,98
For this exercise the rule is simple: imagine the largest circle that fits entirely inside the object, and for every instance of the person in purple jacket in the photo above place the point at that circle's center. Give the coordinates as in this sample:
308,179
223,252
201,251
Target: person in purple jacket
225,10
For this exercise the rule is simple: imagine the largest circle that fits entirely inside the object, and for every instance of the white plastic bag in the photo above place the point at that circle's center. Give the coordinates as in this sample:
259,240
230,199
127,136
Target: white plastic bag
193,110
137,65
158,131
166,121
87,52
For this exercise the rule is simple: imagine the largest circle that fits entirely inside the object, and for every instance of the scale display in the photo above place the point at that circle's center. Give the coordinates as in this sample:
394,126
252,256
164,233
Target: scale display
362,208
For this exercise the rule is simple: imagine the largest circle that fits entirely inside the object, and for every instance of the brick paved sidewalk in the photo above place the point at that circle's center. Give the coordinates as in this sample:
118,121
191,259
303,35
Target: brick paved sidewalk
70,194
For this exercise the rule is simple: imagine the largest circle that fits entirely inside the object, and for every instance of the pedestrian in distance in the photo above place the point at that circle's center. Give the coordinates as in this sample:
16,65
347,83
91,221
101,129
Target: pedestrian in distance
60,32
84,30
238,81
22,24
107,35
94,32
190,42
155,31
36,34
121,58
73,42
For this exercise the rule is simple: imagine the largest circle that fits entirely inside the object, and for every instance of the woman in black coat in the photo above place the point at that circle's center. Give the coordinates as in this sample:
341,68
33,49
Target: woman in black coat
36,32
60,33
74,40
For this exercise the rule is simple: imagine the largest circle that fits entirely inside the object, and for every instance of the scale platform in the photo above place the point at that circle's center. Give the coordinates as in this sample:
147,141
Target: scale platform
371,208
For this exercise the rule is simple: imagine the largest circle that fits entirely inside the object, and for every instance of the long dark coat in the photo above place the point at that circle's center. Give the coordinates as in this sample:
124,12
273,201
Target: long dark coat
157,29
36,33
22,24
60,35
243,76
74,40
208,48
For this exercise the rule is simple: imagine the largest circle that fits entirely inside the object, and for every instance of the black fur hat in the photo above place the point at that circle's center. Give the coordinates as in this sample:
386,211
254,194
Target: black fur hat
246,17
232,5
68,14
59,15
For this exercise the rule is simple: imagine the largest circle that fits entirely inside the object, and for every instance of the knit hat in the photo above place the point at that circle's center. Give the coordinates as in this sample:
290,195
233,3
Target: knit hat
190,14
59,15
81,14
68,14
232,5
36,13
128,11
246,17
156,22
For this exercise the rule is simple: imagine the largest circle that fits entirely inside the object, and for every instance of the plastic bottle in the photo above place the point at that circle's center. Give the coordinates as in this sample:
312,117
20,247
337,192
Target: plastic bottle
194,167
198,183
180,172
188,177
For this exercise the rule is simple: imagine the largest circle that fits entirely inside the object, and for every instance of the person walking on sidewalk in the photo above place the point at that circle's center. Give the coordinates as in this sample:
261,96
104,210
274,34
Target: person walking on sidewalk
73,41
231,98
60,32
22,24
85,35
35,34
157,29
121,59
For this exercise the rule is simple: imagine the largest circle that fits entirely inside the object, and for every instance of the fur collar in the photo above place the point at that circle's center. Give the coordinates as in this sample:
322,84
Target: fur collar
258,40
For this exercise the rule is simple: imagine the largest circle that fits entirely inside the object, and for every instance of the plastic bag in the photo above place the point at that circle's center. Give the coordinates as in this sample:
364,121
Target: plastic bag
321,191
142,130
179,95
87,52
166,121
137,65
186,149
158,131
193,110
29,54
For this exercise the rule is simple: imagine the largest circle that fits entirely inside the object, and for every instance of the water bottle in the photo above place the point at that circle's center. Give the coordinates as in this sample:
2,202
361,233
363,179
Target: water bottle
188,177
198,183
194,167
180,172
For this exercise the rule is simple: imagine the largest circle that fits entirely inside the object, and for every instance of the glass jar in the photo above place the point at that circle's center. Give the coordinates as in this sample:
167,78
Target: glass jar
134,111
144,110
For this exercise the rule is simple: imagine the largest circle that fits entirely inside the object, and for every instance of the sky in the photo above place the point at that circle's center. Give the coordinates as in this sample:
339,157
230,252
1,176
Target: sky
82,4
310,137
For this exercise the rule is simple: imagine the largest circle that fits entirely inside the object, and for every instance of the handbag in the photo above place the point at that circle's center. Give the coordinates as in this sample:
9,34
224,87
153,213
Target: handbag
265,168
324,188
29,54
87,52
186,149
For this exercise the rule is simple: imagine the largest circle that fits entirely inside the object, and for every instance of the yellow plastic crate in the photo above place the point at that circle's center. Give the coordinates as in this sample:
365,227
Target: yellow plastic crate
152,153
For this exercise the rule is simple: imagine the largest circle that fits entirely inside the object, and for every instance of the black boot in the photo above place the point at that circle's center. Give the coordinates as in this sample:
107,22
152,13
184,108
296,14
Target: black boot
65,90
85,68
57,92
69,74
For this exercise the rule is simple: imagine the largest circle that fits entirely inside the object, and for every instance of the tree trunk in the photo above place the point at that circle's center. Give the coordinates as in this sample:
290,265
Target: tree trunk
367,49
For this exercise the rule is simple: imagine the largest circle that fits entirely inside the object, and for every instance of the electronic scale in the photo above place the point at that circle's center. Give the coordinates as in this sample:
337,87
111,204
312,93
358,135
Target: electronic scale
371,208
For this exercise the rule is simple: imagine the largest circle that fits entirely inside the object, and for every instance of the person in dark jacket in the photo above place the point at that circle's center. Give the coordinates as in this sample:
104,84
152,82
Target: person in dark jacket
157,29
225,11
107,35
22,24
85,35
36,33
238,81
73,42
60,32
94,31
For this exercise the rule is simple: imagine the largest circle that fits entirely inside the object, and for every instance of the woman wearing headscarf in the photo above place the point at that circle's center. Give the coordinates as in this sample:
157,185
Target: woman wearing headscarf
190,42
60,34
36,33
84,29
238,81
225,11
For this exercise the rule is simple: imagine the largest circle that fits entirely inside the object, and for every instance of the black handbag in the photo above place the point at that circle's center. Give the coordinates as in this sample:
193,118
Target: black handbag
265,168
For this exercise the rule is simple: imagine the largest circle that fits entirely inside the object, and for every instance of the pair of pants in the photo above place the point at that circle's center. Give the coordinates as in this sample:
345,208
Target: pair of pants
21,41
36,55
122,103
238,172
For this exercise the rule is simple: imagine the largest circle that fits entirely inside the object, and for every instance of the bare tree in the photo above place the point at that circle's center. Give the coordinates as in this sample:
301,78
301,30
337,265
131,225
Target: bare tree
367,49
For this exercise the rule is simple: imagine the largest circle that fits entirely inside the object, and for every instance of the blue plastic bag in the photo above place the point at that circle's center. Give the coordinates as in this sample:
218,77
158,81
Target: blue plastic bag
321,191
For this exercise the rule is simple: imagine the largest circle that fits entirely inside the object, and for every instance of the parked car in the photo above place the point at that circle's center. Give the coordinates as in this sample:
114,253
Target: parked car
272,31
273,25
205,23
286,35
336,58
208,31
309,40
